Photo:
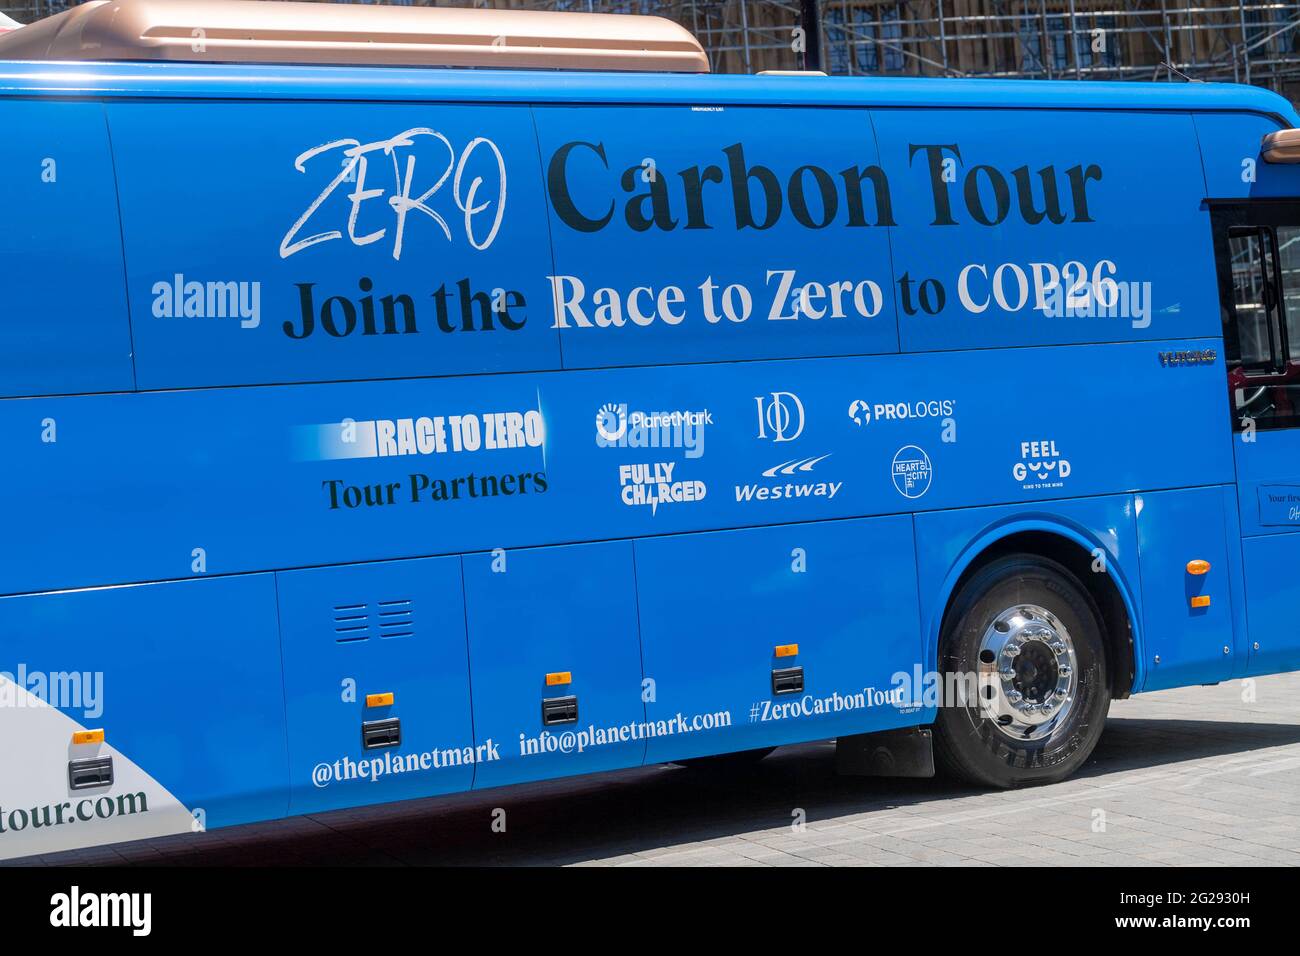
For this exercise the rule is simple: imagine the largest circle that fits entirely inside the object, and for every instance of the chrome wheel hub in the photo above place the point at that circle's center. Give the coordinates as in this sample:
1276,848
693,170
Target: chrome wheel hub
1028,681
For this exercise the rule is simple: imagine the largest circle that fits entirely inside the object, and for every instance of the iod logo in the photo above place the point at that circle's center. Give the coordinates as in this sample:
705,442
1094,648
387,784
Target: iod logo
781,415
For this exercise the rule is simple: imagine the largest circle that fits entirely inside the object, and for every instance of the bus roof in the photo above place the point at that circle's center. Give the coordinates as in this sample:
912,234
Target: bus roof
247,81
244,31
239,49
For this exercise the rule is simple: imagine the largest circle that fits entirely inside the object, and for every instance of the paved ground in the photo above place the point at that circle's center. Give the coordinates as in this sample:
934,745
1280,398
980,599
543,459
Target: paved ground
1194,776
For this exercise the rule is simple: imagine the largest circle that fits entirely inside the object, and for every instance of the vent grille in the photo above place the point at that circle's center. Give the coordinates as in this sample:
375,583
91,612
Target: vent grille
396,619
355,622
351,623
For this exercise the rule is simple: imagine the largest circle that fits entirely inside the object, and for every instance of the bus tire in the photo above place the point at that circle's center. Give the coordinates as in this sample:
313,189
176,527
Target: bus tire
1032,637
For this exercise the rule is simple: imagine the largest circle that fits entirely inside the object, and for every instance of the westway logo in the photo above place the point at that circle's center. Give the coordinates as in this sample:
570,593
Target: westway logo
794,468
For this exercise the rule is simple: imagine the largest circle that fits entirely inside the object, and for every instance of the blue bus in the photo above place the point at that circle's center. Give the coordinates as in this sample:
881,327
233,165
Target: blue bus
374,431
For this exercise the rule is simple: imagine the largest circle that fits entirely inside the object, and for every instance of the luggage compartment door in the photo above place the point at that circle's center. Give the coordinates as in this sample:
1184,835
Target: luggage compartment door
555,661
1186,604
376,683
776,635
140,711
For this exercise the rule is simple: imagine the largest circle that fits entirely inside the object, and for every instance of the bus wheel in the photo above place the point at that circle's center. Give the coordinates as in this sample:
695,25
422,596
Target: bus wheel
1025,685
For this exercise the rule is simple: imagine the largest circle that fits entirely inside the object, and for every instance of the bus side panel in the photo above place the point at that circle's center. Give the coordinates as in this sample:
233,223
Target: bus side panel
1273,595
947,541
1011,222
726,615
64,326
1268,464
352,635
184,681
1187,617
569,612
292,477
685,233
1229,144
1268,476
276,242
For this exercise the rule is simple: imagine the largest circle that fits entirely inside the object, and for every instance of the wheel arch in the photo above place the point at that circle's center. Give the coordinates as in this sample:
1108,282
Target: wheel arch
1074,547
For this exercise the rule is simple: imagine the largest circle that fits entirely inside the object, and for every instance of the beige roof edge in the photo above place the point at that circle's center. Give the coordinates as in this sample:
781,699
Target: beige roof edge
1282,146
252,31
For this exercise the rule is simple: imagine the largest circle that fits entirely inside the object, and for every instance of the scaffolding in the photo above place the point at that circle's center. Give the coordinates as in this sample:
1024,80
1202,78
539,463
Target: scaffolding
1244,41
1240,41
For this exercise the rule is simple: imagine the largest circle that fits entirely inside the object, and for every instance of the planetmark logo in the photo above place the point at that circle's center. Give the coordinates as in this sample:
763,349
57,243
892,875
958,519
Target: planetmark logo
616,427
611,425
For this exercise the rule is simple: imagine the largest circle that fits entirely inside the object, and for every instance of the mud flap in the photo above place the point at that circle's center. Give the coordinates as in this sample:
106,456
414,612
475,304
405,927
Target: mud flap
907,752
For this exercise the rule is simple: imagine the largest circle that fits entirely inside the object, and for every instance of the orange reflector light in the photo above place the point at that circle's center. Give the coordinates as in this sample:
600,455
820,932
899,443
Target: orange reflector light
559,677
1202,600
1198,567
787,650
88,737
379,700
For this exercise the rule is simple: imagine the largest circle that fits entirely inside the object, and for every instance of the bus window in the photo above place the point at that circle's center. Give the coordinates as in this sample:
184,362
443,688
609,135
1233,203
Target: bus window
1253,298
1288,248
1259,262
